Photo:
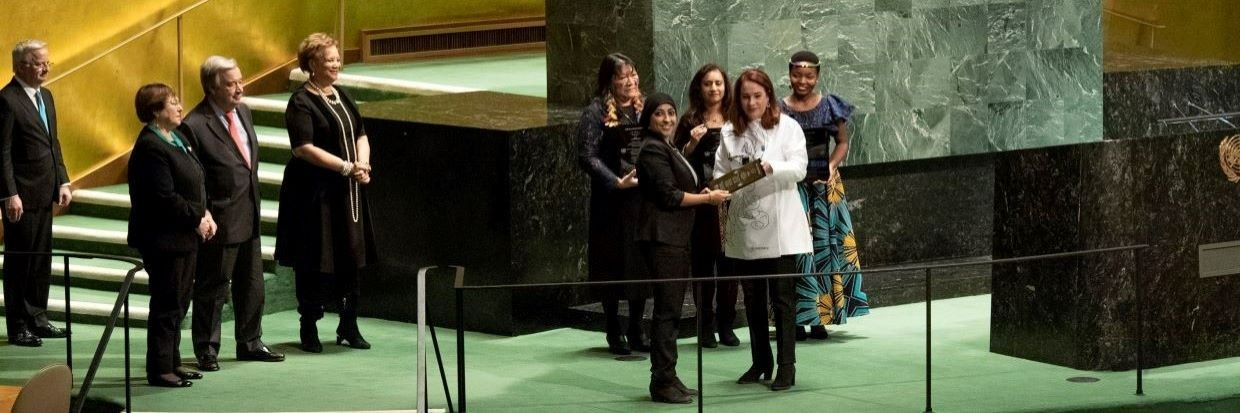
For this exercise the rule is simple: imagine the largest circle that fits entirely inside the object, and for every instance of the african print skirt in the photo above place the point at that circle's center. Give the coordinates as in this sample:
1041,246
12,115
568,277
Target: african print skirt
835,293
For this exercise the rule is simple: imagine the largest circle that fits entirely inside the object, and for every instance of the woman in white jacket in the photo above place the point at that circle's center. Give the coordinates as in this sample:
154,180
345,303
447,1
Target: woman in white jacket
766,226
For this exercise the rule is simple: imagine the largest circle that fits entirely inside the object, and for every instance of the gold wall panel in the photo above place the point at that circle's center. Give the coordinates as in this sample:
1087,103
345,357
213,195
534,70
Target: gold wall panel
95,103
1152,34
380,14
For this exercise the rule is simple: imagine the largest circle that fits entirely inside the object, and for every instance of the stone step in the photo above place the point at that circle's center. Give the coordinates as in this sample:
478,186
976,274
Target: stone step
93,306
113,202
108,236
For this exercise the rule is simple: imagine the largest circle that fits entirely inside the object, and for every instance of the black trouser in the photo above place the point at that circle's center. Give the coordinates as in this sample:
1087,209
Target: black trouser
715,301
315,288
782,297
665,261
172,284
240,265
27,277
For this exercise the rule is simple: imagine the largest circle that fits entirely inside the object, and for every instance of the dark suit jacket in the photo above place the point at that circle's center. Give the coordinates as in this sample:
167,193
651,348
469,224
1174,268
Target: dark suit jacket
664,179
31,164
169,199
232,188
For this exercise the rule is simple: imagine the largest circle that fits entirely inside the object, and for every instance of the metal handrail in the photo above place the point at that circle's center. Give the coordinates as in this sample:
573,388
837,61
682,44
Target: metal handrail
1134,19
122,303
129,40
460,288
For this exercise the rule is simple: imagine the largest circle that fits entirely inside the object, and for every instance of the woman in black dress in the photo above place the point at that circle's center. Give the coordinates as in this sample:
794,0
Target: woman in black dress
324,231
670,194
698,137
169,220
610,137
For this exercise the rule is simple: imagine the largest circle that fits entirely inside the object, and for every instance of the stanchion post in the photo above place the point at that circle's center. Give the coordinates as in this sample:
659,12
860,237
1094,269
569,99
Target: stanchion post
1136,272
698,300
128,385
460,338
929,298
68,317
421,351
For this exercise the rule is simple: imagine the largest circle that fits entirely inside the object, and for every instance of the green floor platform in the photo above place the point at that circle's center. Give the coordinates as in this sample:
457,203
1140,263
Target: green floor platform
521,73
873,364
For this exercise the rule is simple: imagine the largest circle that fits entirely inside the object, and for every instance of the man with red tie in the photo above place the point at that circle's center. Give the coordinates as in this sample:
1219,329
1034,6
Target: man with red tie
222,128
32,179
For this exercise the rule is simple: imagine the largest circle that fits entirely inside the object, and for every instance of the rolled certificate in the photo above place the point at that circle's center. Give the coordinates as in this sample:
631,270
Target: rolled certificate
740,177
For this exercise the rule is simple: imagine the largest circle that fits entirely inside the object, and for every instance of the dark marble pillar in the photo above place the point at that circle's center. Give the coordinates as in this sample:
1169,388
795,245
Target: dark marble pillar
1168,192
581,32
483,180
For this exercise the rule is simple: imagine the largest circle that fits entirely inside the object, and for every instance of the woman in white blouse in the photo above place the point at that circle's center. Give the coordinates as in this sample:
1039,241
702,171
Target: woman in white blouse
766,225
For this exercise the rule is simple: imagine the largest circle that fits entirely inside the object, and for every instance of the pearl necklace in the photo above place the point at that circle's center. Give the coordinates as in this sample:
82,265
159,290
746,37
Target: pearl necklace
346,146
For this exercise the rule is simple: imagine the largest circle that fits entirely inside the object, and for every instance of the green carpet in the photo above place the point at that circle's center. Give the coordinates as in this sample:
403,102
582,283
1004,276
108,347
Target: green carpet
873,364
521,73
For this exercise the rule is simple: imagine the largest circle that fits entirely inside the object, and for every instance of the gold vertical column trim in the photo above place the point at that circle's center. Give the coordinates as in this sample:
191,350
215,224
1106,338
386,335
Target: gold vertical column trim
340,29
180,56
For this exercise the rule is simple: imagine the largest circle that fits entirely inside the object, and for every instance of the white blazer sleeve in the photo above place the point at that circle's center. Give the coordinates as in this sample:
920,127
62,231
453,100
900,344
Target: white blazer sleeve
792,143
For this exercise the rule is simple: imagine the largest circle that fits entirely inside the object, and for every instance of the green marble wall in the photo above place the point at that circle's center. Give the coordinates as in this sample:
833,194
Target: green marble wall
930,78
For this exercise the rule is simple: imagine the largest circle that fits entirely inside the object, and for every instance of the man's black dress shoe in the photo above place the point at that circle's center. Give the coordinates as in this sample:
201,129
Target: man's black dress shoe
24,338
262,354
163,382
208,363
616,345
639,343
667,393
187,374
49,331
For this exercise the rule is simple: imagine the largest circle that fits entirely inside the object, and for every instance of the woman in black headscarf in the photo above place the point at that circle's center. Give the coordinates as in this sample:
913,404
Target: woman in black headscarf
670,190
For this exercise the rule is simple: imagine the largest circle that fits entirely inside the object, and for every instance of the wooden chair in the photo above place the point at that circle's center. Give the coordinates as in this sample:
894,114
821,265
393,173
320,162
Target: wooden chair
46,392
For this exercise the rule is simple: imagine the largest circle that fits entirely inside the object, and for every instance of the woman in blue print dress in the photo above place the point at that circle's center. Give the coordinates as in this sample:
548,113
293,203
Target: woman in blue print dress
835,294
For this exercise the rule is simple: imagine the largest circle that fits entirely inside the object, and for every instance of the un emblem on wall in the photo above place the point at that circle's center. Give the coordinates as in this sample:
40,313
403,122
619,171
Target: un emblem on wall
1229,157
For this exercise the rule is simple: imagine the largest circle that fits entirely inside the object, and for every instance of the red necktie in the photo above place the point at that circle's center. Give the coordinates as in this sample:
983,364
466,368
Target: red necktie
236,136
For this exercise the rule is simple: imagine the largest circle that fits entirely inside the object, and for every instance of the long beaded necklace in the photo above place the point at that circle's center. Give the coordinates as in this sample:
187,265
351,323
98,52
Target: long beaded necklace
346,145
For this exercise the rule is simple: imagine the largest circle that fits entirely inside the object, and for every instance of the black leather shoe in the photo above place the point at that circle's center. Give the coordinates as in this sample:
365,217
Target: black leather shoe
666,393
680,385
356,341
262,354
49,331
208,363
800,333
707,340
639,343
754,374
616,345
187,374
785,378
310,338
24,338
819,333
728,338
158,381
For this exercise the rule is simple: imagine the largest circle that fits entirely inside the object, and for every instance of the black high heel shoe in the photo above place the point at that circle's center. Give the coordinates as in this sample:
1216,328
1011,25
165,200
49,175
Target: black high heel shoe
754,374
187,374
785,378
355,341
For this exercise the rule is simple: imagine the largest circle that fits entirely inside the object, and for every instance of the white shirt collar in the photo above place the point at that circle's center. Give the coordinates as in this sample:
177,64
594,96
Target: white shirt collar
30,90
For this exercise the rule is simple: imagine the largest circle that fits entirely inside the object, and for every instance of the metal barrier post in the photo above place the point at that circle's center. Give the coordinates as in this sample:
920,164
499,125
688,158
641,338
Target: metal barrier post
701,324
929,298
1140,325
128,387
68,317
421,352
460,338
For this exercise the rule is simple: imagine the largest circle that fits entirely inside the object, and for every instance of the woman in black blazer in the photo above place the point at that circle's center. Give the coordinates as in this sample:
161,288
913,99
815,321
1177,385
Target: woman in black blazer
167,223
670,189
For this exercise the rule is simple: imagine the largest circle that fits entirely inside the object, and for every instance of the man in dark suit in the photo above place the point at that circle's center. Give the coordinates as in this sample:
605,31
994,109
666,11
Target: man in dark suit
222,128
32,179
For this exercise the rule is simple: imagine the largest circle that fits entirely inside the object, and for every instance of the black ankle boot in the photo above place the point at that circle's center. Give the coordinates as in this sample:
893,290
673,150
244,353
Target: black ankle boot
348,335
819,332
639,342
785,378
754,374
728,338
667,393
616,345
310,338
